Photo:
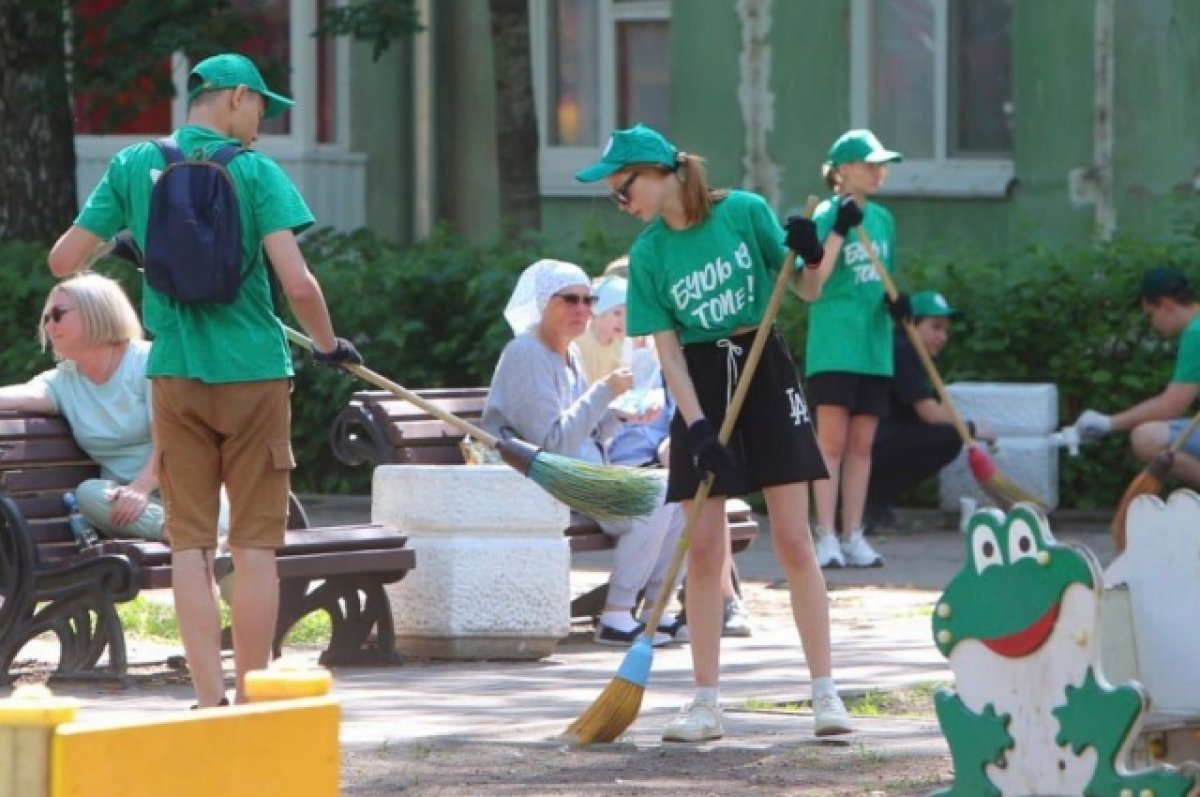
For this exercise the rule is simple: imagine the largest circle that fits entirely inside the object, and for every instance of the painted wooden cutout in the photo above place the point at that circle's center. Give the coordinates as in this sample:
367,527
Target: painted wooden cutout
1032,713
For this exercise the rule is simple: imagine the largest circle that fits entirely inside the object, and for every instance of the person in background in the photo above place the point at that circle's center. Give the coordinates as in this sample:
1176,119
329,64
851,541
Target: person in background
222,373
603,346
848,359
700,274
1167,299
916,438
539,394
99,386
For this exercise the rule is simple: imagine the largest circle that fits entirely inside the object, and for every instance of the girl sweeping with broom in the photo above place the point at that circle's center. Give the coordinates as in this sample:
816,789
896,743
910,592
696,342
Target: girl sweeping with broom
700,277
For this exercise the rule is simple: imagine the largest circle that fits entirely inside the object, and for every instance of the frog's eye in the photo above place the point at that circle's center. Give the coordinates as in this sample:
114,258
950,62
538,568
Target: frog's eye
985,550
1022,544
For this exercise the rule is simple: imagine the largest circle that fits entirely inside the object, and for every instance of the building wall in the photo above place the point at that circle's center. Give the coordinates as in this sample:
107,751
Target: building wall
761,88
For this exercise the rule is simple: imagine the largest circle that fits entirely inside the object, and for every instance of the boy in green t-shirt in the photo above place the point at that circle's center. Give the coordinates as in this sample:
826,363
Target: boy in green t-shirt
221,372
1169,303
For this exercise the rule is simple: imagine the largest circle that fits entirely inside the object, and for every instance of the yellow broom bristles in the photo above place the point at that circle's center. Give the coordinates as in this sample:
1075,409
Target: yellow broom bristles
1005,491
610,715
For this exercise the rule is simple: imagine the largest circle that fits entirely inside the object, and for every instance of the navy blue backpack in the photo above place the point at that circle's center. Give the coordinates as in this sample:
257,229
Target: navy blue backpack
194,234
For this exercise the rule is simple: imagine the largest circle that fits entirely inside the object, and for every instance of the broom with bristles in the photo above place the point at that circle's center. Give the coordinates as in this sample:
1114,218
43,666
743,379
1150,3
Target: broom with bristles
1000,488
601,491
618,705
1149,481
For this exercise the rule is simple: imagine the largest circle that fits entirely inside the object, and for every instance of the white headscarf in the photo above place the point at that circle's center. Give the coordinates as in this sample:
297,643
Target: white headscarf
535,287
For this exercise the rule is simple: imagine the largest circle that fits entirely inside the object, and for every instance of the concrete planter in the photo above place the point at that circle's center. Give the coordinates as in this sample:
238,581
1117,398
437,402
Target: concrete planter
493,567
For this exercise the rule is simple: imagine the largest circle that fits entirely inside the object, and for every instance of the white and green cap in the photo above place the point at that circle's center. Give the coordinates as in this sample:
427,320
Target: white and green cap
928,304
230,70
633,145
860,146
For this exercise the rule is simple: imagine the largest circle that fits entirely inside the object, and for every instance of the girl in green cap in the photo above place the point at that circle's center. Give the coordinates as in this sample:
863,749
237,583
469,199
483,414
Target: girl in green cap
848,358
700,275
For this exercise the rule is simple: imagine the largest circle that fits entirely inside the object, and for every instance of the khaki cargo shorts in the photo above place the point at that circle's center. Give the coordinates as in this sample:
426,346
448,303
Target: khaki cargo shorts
238,434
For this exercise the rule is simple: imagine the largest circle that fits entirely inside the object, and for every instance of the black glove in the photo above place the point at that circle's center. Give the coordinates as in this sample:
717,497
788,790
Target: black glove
124,247
849,216
802,239
901,309
343,353
708,454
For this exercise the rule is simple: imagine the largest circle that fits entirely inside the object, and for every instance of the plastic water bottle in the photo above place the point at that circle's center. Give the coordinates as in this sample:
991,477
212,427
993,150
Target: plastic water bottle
84,534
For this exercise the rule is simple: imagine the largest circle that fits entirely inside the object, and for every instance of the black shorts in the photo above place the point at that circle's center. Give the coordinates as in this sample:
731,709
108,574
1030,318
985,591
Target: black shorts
773,440
861,394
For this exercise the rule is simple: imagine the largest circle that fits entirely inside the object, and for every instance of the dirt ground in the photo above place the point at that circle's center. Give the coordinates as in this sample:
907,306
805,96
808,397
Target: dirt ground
818,769
858,765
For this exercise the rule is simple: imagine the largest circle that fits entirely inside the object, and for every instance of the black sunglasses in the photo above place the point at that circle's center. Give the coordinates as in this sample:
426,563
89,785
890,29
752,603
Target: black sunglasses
620,194
55,314
574,299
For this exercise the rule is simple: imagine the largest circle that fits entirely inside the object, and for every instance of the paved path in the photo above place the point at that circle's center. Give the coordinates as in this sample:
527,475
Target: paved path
880,639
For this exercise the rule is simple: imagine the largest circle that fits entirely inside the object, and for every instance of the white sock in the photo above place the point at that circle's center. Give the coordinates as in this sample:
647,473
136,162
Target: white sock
823,686
620,620
666,620
708,694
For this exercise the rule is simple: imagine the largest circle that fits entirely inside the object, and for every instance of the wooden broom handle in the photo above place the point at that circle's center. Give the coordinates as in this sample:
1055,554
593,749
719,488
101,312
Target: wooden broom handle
931,371
367,375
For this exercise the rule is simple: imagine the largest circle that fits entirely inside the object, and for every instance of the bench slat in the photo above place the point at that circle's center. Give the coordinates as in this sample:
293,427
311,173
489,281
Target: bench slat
64,477
349,563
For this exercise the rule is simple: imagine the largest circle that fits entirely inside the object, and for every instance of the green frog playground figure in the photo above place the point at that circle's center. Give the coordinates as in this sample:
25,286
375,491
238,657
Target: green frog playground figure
1033,714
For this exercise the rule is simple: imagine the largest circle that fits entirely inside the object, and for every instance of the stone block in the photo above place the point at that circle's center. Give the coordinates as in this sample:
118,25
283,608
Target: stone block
1014,410
493,565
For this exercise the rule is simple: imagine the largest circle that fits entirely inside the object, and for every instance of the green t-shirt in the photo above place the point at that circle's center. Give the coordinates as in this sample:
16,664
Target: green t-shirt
238,342
1187,361
849,328
709,279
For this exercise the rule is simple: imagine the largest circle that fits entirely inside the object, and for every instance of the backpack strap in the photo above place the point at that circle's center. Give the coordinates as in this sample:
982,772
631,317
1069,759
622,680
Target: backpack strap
170,150
225,154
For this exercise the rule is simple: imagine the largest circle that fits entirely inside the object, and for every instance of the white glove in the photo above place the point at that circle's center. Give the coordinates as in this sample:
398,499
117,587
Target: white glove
1093,425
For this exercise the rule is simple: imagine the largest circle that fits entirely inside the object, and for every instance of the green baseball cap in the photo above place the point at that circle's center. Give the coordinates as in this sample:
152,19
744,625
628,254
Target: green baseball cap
855,146
1164,281
638,144
928,304
230,70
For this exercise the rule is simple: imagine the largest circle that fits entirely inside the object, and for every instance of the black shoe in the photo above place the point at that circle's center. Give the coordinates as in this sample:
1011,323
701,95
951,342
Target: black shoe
607,635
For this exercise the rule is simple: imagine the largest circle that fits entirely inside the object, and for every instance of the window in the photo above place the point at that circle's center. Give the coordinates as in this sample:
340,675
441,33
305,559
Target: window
597,65
310,70
933,79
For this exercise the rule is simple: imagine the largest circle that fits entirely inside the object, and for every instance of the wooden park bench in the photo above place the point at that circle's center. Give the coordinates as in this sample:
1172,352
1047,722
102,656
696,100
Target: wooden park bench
49,585
378,428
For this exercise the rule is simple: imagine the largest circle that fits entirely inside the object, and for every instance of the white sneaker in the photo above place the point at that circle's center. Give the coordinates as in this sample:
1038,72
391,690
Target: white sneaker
829,715
828,552
737,619
857,552
698,721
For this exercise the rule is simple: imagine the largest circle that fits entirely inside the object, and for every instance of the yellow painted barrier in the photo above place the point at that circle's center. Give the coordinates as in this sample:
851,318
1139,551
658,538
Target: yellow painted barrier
27,723
285,746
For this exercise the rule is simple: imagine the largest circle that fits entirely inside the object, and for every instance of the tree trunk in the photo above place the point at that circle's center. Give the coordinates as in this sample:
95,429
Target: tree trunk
37,137
516,117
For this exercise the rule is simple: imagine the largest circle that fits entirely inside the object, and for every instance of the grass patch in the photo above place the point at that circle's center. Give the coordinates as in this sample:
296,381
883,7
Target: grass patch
916,701
152,619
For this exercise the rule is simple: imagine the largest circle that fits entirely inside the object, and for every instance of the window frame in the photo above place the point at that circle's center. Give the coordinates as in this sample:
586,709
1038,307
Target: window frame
302,21
557,164
942,175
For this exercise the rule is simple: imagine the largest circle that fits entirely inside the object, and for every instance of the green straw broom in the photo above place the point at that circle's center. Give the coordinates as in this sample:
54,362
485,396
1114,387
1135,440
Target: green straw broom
1000,488
601,491
618,705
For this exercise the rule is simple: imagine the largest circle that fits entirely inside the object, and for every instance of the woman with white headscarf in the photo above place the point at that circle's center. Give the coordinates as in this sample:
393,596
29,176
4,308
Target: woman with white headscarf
540,394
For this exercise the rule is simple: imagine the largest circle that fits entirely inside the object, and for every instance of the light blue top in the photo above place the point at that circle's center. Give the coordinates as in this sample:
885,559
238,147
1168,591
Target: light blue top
110,421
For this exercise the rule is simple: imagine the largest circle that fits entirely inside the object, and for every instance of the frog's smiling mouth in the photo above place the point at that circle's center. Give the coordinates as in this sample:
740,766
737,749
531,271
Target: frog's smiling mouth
1023,642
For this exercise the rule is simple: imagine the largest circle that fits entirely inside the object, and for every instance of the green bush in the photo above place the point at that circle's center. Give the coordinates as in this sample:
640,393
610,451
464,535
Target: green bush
1065,316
